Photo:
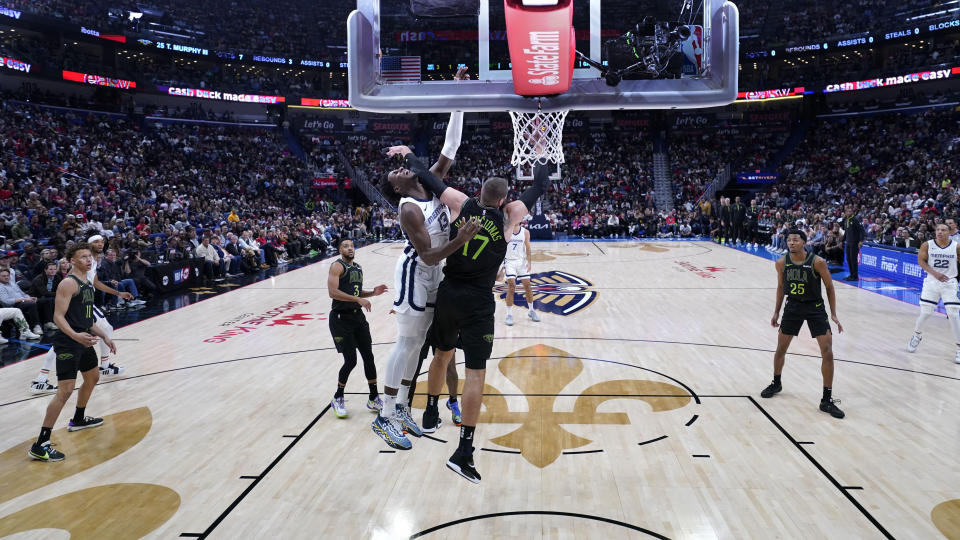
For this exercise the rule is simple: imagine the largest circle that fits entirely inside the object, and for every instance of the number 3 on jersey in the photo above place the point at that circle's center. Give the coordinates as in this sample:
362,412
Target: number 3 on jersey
466,247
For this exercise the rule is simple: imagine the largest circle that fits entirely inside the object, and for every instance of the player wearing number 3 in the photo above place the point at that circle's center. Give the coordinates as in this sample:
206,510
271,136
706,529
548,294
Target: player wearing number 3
939,258
799,275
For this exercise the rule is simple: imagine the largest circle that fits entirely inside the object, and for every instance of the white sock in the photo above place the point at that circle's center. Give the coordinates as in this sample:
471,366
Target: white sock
49,359
509,310
532,310
389,409
403,394
954,323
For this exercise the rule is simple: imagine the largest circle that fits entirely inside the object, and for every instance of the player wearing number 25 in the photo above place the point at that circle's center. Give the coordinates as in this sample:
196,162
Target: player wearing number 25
799,280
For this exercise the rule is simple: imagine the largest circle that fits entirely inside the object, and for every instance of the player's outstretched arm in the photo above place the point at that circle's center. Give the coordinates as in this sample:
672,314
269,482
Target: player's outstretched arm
518,209
449,196
454,132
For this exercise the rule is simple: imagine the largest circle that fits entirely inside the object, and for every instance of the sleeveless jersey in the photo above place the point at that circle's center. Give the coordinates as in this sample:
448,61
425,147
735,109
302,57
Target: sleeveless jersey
351,282
516,250
80,311
478,262
436,219
92,272
801,282
943,260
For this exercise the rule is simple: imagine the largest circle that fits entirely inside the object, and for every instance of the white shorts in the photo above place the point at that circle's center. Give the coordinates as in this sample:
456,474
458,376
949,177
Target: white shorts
516,268
933,291
415,286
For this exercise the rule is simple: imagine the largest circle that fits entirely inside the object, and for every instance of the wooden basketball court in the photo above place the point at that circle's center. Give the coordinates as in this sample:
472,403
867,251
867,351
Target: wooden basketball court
632,410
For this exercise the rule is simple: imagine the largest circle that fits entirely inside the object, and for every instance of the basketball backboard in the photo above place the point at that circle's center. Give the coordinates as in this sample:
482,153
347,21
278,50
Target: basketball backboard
397,60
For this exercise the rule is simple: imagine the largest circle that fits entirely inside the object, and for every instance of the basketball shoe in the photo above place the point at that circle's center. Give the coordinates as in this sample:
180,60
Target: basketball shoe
391,432
462,464
87,423
771,389
914,342
45,452
339,407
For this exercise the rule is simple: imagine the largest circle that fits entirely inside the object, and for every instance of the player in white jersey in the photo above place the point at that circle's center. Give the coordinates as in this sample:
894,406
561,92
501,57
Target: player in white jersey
516,266
425,222
939,258
42,385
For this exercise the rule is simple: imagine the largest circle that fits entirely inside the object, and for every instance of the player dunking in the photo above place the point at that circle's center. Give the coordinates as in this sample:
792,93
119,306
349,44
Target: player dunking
465,305
939,258
799,275
517,267
349,326
425,222
107,369
73,344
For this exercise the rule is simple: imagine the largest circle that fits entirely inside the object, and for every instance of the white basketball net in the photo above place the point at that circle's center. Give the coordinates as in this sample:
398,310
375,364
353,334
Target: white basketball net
537,137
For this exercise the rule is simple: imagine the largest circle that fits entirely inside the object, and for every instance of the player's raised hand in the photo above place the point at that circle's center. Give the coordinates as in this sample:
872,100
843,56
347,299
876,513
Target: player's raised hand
462,74
379,289
402,150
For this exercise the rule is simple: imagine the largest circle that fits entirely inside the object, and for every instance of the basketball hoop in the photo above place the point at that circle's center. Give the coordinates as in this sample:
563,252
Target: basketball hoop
537,137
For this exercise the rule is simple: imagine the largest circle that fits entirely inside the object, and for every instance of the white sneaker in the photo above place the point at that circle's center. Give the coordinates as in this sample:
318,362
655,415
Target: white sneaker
38,330
533,315
956,359
31,336
339,407
50,326
137,302
37,387
111,370
509,319
915,342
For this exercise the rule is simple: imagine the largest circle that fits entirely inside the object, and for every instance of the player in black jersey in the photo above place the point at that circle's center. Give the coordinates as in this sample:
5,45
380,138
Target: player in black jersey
465,305
799,276
73,342
349,326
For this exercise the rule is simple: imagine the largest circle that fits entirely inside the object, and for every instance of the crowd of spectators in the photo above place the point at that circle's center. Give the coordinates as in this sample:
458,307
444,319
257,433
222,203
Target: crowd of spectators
897,171
159,192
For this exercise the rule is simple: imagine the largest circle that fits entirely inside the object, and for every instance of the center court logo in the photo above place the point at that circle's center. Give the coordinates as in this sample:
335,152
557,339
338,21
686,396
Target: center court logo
542,373
554,292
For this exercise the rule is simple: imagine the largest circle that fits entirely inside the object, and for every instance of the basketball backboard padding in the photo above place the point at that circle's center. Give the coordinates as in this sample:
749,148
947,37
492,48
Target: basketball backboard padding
716,87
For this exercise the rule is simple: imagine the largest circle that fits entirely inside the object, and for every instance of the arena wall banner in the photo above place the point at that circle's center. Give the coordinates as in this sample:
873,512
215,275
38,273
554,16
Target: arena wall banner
320,125
16,65
540,228
329,182
755,178
325,103
770,94
98,80
220,96
937,74
891,263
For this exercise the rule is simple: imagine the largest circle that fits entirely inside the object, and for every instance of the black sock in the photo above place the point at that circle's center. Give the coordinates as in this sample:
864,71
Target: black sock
78,417
432,402
466,439
339,392
776,379
44,435
373,390
827,392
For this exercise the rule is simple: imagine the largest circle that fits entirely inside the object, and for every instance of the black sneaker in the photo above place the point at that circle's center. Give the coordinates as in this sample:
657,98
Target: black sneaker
830,406
431,421
770,390
462,464
851,278
86,423
45,452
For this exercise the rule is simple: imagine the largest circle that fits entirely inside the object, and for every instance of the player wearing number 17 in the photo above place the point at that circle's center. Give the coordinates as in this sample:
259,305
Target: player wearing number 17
799,275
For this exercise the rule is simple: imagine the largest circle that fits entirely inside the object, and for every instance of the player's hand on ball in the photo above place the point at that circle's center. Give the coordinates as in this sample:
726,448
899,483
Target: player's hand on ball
836,321
364,303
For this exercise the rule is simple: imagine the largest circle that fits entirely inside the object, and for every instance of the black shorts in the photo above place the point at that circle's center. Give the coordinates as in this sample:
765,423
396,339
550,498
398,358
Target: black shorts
72,357
797,312
350,330
465,313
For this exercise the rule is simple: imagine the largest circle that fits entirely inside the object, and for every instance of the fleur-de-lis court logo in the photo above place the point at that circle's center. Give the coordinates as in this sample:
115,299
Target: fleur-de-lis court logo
554,292
542,372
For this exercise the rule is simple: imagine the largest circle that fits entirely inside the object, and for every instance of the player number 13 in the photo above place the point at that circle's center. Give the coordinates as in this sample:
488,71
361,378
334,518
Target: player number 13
466,246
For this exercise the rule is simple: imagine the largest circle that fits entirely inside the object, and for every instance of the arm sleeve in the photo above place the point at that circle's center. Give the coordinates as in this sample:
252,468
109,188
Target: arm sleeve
541,181
427,178
454,131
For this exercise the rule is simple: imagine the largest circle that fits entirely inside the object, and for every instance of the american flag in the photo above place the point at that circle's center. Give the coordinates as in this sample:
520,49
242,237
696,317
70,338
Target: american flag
400,68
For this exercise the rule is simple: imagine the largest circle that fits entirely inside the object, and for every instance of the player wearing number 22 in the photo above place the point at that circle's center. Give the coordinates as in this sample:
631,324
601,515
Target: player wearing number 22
938,257
800,275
